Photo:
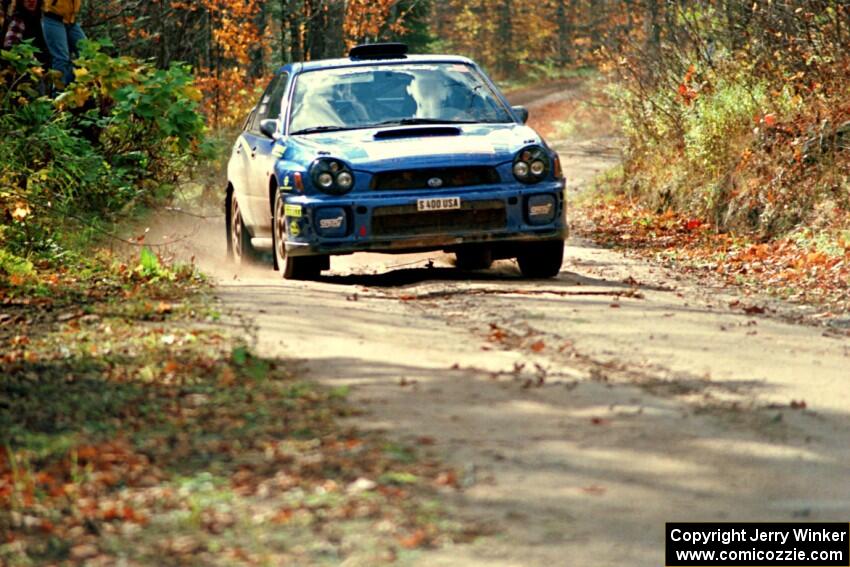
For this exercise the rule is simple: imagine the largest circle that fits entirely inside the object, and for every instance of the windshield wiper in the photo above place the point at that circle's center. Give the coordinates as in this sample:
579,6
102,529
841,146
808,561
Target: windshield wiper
315,129
415,121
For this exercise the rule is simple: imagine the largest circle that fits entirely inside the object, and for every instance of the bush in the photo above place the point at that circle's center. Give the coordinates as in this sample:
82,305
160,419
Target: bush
749,130
119,137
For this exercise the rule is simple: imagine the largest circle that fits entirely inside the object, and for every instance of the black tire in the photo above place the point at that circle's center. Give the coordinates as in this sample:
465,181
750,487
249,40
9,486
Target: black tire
239,247
292,268
474,258
541,259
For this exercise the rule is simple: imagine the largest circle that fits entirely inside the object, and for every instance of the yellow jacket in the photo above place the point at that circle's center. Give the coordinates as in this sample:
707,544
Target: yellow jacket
65,9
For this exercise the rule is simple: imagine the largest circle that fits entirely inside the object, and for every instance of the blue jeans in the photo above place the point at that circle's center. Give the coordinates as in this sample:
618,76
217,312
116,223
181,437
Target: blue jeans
62,42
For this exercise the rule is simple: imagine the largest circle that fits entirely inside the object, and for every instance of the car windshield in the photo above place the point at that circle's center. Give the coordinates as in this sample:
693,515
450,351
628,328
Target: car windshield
409,93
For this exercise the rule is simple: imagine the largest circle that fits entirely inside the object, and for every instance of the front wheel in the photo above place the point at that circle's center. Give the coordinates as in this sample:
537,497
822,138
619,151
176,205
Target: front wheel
300,268
541,259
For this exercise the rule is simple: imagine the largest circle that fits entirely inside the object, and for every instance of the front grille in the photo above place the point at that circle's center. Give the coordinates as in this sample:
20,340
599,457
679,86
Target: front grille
449,177
407,221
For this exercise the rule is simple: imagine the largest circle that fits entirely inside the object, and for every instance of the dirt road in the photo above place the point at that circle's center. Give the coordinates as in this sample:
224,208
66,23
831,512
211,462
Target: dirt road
584,411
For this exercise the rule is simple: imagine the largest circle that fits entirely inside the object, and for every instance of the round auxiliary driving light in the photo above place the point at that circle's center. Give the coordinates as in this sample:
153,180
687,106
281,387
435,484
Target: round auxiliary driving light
521,169
531,165
325,180
332,176
344,180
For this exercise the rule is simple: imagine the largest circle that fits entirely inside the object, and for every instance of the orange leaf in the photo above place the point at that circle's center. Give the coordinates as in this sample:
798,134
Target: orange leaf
447,478
282,517
227,377
594,489
414,540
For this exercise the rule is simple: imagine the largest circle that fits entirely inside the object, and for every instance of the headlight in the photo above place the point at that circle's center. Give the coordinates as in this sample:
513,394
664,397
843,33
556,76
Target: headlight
521,169
326,180
531,165
345,180
332,176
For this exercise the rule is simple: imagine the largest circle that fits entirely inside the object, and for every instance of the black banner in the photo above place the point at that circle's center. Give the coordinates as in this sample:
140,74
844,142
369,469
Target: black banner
749,544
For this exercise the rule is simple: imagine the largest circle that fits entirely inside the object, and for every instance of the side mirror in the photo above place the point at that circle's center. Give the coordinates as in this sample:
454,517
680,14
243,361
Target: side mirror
268,128
521,112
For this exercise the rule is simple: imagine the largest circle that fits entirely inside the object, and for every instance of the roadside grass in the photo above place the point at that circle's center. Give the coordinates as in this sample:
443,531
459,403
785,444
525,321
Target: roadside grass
135,426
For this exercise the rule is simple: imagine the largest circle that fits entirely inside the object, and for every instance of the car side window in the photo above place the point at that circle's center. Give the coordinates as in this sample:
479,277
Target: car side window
270,103
276,102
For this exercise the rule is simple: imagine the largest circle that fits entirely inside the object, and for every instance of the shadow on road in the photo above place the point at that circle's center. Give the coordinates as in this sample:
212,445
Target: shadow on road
412,276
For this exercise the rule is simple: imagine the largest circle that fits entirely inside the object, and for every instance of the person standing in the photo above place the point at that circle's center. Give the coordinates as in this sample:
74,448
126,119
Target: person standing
63,34
25,25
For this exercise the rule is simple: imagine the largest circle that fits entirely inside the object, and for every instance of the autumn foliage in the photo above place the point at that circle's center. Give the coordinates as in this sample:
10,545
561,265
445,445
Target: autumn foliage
738,113
233,45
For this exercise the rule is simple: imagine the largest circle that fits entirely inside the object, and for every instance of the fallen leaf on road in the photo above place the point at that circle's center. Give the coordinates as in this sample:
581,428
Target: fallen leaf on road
693,224
227,377
538,346
753,310
599,421
361,485
184,545
497,334
83,551
798,404
414,540
594,489
447,478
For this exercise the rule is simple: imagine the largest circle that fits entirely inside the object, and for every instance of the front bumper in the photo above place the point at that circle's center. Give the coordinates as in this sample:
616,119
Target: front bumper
387,221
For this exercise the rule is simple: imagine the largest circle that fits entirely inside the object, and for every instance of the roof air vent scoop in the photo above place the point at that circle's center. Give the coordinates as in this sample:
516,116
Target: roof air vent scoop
378,51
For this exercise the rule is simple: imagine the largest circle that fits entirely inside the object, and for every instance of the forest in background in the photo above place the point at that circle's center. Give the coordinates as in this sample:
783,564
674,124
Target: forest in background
735,113
234,44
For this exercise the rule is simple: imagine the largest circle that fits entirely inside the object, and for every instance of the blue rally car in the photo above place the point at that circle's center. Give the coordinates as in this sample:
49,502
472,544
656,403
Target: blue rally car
389,152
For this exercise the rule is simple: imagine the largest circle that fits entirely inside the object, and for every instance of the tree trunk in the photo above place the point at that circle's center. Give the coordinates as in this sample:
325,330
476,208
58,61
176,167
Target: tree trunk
258,67
333,29
653,25
566,30
505,33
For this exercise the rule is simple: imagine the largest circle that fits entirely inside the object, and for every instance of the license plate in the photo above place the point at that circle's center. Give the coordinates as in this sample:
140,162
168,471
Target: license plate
438,204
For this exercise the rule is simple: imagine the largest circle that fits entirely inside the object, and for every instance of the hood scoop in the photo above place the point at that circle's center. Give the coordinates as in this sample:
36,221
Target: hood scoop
417,132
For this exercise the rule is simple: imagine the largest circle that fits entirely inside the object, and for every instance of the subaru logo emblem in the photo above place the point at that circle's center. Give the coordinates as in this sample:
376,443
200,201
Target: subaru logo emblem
435,182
